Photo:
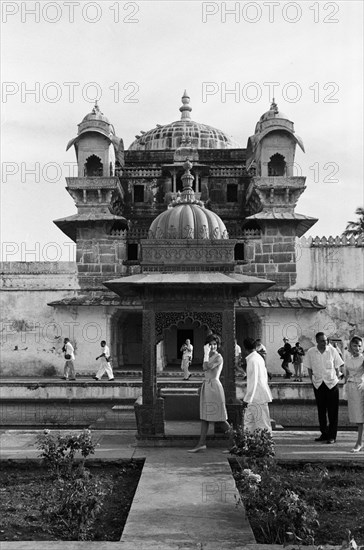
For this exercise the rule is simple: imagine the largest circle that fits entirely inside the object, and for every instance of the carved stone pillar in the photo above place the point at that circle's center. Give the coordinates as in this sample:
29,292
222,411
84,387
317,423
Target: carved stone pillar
150,411
233,405
149,358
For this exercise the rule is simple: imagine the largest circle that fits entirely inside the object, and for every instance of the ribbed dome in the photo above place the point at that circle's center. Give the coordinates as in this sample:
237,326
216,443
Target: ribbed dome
183,132
188,221
187,218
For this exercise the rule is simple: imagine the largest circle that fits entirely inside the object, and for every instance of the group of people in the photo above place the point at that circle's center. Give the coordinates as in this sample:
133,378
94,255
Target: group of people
324,365
290,354
69,367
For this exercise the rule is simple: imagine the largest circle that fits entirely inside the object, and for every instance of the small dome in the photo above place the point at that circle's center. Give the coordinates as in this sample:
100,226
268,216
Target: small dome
183,132
95,114
273,116
187,218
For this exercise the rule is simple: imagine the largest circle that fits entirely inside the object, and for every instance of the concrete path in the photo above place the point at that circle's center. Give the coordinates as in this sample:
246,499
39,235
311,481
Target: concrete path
183,500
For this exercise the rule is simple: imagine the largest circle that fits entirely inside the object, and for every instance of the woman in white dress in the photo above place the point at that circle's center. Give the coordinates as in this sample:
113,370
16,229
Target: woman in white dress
354,380
212,397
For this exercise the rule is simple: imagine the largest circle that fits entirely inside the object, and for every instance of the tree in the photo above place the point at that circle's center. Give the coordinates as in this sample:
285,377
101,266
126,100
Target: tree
356,228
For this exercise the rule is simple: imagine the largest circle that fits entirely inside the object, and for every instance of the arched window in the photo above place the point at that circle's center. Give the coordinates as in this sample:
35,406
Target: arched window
277,165
93,166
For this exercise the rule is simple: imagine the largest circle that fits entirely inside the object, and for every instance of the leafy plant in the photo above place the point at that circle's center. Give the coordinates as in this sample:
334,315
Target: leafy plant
256,448
58,451
276,512
75,502
76,498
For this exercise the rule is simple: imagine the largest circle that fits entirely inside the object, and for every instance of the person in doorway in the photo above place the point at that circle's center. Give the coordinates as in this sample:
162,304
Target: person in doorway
285,353
354,380
106,363
69,355
187,353
212,396
298,354
258,394
237,356
323,364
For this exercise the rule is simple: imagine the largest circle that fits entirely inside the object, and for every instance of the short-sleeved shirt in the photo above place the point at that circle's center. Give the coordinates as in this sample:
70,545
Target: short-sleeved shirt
323,366
69,350
106,351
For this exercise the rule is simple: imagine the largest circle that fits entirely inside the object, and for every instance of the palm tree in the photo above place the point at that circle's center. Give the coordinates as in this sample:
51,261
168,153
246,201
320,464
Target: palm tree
356,228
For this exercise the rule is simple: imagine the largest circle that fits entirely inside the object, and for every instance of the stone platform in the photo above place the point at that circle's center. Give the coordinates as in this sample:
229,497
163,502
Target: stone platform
101,404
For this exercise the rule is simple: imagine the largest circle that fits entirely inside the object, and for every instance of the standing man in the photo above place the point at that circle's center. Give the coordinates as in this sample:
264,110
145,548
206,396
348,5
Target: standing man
285,353
323,363
106,363
187,351
258,394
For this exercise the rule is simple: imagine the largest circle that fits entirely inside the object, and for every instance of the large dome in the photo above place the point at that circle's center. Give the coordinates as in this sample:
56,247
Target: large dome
183,132
187,218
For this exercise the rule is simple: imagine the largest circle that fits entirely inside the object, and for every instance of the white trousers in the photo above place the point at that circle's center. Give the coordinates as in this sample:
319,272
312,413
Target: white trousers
184,366
257,417
105,367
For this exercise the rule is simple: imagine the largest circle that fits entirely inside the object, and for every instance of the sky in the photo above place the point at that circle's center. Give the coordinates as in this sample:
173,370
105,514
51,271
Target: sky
138,57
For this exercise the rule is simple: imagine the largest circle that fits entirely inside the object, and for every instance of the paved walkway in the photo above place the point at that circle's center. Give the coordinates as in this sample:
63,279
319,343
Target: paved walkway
183,500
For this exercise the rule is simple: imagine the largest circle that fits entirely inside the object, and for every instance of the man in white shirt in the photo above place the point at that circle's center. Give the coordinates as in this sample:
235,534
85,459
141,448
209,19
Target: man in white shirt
323,364
187,352
69,355
106,363
258,394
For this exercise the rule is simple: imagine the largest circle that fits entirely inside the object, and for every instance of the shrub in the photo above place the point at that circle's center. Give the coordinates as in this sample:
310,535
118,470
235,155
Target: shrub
256,448
58,451
74,503
276,512
76,497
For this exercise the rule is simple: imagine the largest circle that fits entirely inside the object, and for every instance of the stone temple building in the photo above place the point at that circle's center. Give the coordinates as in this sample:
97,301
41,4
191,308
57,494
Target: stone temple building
182,208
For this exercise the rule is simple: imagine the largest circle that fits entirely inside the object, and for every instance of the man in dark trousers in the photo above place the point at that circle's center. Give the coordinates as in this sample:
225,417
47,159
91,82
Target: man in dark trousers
285,353
323,364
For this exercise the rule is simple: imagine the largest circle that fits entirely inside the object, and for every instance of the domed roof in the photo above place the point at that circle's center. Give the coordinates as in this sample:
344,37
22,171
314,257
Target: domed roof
187,218
184,131
273,117
96,114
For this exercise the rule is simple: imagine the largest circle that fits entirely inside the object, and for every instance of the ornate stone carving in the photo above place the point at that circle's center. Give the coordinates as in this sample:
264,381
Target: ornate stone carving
167,319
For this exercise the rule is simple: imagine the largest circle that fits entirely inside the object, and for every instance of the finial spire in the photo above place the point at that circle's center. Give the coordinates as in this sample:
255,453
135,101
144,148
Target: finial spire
274,106
185,108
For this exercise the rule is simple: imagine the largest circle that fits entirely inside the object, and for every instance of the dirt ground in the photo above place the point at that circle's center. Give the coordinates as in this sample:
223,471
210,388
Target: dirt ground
24,492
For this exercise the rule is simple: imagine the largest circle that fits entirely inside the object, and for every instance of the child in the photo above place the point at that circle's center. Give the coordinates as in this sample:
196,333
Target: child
298,354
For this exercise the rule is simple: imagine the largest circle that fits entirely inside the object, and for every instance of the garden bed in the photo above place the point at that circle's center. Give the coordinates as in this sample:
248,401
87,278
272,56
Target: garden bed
25,494
335,493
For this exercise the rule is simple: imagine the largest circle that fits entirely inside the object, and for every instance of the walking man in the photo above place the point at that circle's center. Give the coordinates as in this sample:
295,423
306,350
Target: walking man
258,394
69,355
323,363
106,363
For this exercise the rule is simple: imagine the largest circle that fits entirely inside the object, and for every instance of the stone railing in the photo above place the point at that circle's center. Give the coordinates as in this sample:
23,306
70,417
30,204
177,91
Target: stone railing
341,240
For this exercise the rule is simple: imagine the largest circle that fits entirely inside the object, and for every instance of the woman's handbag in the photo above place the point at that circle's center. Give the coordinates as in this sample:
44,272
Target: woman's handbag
67,357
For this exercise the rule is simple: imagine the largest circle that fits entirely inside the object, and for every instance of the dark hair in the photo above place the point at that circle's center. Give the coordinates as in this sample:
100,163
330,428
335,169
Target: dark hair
319,334
298,344
213,338
249,343
356,340
103,342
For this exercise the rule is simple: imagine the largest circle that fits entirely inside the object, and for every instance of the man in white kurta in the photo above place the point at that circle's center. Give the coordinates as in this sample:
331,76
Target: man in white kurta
258,394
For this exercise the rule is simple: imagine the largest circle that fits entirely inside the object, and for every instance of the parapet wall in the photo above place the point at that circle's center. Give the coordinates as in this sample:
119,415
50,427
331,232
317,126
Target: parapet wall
330,264
38,276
